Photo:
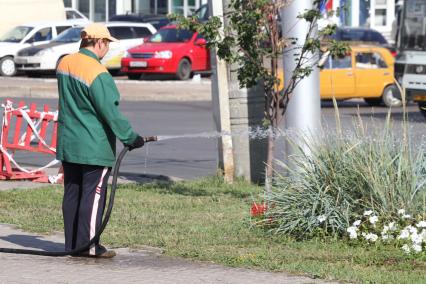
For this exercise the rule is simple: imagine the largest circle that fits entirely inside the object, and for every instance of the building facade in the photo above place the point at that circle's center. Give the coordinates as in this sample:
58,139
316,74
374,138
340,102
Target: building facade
375,14
102,10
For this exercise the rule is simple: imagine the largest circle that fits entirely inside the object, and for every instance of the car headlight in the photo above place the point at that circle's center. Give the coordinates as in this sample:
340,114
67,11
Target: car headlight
126,54
165,54
44,52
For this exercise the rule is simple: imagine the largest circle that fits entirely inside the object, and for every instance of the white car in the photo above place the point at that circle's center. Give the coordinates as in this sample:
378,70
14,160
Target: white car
74,15
26,35
44,58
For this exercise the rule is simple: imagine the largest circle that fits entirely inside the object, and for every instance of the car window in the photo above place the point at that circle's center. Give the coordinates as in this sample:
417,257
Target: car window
42,35
369,60
199,36
121,32
141,32
70,35
172,35
16,34
341,62
334,62
73,15
60,29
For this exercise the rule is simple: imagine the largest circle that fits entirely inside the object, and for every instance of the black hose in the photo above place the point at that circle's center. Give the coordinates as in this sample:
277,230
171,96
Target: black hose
98,232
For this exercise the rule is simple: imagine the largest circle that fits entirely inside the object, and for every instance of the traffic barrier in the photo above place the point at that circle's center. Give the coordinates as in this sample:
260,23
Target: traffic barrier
26,129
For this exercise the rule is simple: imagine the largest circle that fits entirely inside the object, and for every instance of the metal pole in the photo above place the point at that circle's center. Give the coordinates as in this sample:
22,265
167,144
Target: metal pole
303,115
92,10
106,11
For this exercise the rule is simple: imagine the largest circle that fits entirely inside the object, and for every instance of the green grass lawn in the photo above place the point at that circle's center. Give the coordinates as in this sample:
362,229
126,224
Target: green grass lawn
208,220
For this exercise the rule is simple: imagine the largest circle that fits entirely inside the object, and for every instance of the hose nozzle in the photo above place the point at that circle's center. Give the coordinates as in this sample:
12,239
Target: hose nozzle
150,139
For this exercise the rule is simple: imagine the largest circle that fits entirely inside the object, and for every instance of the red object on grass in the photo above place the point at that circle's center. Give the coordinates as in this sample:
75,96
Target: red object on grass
329,5
257,210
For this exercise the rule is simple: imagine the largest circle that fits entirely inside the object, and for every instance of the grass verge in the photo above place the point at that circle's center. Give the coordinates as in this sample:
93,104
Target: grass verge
208,220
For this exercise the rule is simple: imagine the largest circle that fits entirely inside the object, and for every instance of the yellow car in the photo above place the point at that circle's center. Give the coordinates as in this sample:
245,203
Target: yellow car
366,72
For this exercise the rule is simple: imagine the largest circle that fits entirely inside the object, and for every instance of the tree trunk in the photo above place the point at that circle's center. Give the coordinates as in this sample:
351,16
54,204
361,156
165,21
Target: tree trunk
269,169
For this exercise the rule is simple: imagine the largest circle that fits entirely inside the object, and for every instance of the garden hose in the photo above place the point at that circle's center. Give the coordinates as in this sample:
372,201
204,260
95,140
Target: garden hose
104,221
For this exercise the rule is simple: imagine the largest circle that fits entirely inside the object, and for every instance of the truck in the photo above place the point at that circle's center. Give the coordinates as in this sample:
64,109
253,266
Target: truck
410,63
17,12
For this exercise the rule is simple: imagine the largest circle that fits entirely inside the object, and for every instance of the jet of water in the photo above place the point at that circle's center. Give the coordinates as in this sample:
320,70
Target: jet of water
252,133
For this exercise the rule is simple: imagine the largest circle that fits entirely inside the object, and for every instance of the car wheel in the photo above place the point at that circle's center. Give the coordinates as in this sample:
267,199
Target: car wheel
7,66
391,96
133,76
373,101
114,72
184,70
422,107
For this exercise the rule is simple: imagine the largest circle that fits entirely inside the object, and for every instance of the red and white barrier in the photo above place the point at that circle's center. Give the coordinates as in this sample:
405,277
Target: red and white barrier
20,128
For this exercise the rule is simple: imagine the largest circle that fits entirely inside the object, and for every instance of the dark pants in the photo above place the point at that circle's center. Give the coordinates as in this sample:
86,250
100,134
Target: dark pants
83,204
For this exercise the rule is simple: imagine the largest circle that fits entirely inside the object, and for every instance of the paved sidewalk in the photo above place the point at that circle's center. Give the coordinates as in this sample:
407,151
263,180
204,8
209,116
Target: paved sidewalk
129,266
191,90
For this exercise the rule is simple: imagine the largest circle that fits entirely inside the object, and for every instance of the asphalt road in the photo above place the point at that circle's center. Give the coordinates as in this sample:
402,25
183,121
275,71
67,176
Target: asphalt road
189,158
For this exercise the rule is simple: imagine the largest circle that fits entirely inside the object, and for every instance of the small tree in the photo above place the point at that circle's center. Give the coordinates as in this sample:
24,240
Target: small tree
252,39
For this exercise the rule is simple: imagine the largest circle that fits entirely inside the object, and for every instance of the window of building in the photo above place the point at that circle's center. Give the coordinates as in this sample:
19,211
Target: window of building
381,13
100,15
177,7
84,7
364,13
68,3
380,19
159,7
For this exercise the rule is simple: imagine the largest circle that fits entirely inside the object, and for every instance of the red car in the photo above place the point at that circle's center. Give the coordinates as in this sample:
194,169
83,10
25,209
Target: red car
169,51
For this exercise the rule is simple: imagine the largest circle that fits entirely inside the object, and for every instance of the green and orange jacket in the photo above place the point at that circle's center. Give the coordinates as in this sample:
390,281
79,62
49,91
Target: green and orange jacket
89,119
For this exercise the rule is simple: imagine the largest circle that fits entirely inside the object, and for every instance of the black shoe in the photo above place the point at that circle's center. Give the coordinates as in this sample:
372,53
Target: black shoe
101,252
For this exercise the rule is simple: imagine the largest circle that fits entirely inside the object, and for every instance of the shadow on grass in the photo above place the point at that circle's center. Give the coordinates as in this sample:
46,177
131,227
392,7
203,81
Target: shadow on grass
211,186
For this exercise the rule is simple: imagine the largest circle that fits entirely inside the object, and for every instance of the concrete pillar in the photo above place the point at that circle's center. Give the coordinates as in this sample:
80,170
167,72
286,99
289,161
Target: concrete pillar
303,115
220,101
247,111
237,110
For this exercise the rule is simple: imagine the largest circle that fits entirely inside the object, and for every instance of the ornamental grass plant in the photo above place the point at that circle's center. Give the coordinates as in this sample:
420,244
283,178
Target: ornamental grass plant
325,185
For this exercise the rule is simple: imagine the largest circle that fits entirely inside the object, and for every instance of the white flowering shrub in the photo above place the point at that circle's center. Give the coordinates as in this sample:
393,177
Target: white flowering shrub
319,192
404,231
